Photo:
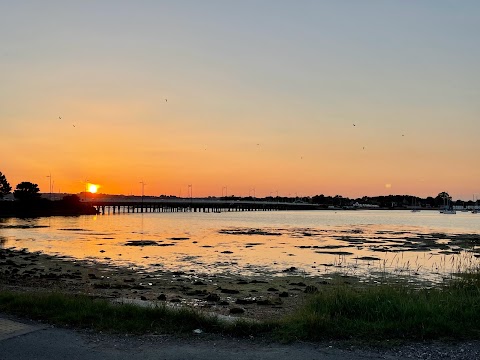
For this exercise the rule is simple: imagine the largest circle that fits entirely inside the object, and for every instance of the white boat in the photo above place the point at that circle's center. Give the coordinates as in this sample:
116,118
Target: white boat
448,211
415,208
447,208
475,209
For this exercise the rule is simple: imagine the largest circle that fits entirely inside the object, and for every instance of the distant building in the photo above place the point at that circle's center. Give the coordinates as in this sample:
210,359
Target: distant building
357,205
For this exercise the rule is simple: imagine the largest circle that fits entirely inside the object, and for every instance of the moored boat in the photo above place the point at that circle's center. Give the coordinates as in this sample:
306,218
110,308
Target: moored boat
448,211
447,206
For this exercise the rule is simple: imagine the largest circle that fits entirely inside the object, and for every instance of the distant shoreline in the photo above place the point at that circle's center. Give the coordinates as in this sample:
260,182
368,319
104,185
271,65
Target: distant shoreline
11,209
44,208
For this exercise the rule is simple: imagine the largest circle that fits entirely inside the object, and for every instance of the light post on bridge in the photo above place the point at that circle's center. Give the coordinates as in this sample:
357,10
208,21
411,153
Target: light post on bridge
143,191
190,194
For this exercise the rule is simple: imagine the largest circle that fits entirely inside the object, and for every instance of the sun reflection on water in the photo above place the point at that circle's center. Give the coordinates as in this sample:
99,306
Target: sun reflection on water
310,244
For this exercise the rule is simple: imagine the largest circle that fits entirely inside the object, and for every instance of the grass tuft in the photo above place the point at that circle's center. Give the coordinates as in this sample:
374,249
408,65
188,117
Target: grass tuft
389,312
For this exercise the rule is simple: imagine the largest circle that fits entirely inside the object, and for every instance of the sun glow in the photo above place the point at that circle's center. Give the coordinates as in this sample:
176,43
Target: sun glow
93,188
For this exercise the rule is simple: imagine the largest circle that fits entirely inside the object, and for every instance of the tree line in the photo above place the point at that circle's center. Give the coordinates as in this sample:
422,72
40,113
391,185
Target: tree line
384,202
23,191
27,191
30,203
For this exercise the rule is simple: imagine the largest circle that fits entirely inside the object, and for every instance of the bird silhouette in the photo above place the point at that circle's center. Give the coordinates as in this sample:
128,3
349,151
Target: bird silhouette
60,117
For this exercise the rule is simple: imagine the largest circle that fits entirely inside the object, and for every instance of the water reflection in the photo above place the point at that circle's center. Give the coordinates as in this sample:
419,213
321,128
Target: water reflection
279,243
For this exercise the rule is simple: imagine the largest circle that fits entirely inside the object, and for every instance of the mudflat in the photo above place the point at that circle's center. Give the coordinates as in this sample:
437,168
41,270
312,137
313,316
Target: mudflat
224,294
252,297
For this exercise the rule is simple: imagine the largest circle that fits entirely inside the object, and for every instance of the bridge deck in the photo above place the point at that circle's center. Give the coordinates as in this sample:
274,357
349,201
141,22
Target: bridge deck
192,205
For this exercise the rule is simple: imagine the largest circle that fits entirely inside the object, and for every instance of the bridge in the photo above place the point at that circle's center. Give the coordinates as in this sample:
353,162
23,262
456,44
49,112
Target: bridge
151,205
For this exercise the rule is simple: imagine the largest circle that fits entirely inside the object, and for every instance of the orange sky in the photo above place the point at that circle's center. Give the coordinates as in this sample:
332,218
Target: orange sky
256,98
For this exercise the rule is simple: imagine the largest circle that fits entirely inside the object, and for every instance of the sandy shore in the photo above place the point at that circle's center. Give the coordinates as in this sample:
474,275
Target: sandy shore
250,297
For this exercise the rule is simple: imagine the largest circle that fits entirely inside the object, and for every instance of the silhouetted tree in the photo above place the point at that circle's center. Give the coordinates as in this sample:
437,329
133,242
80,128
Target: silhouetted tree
442,198
5,187
318,199
26,191
430,201
459,202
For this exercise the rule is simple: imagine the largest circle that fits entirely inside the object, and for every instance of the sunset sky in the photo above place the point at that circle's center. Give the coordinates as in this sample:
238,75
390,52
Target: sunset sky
301,97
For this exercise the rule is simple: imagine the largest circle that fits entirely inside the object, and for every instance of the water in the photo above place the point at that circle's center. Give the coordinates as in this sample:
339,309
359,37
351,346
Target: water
426,245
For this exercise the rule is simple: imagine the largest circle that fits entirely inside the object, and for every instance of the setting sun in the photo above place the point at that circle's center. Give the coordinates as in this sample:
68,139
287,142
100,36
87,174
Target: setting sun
92,188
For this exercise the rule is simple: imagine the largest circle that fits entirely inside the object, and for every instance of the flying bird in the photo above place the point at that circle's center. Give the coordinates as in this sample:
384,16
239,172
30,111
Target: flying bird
60,117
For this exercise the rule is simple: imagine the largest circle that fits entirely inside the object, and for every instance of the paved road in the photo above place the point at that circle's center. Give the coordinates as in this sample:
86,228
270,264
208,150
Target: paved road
22,340
52,344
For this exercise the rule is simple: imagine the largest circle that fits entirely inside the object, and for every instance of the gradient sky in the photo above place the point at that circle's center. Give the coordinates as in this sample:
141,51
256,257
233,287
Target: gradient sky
242,94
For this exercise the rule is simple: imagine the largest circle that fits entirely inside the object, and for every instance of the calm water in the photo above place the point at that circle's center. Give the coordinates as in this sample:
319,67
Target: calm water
425,244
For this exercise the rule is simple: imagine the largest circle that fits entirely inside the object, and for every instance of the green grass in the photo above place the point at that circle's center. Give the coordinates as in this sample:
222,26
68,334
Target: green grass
85,312
389,312
350,312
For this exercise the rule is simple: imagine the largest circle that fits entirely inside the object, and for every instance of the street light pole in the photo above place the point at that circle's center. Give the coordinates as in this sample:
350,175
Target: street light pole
190,191
50,188
143,191
85,193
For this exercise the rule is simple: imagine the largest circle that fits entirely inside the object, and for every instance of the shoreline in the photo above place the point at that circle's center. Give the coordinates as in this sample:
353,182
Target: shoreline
96,280
256,297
